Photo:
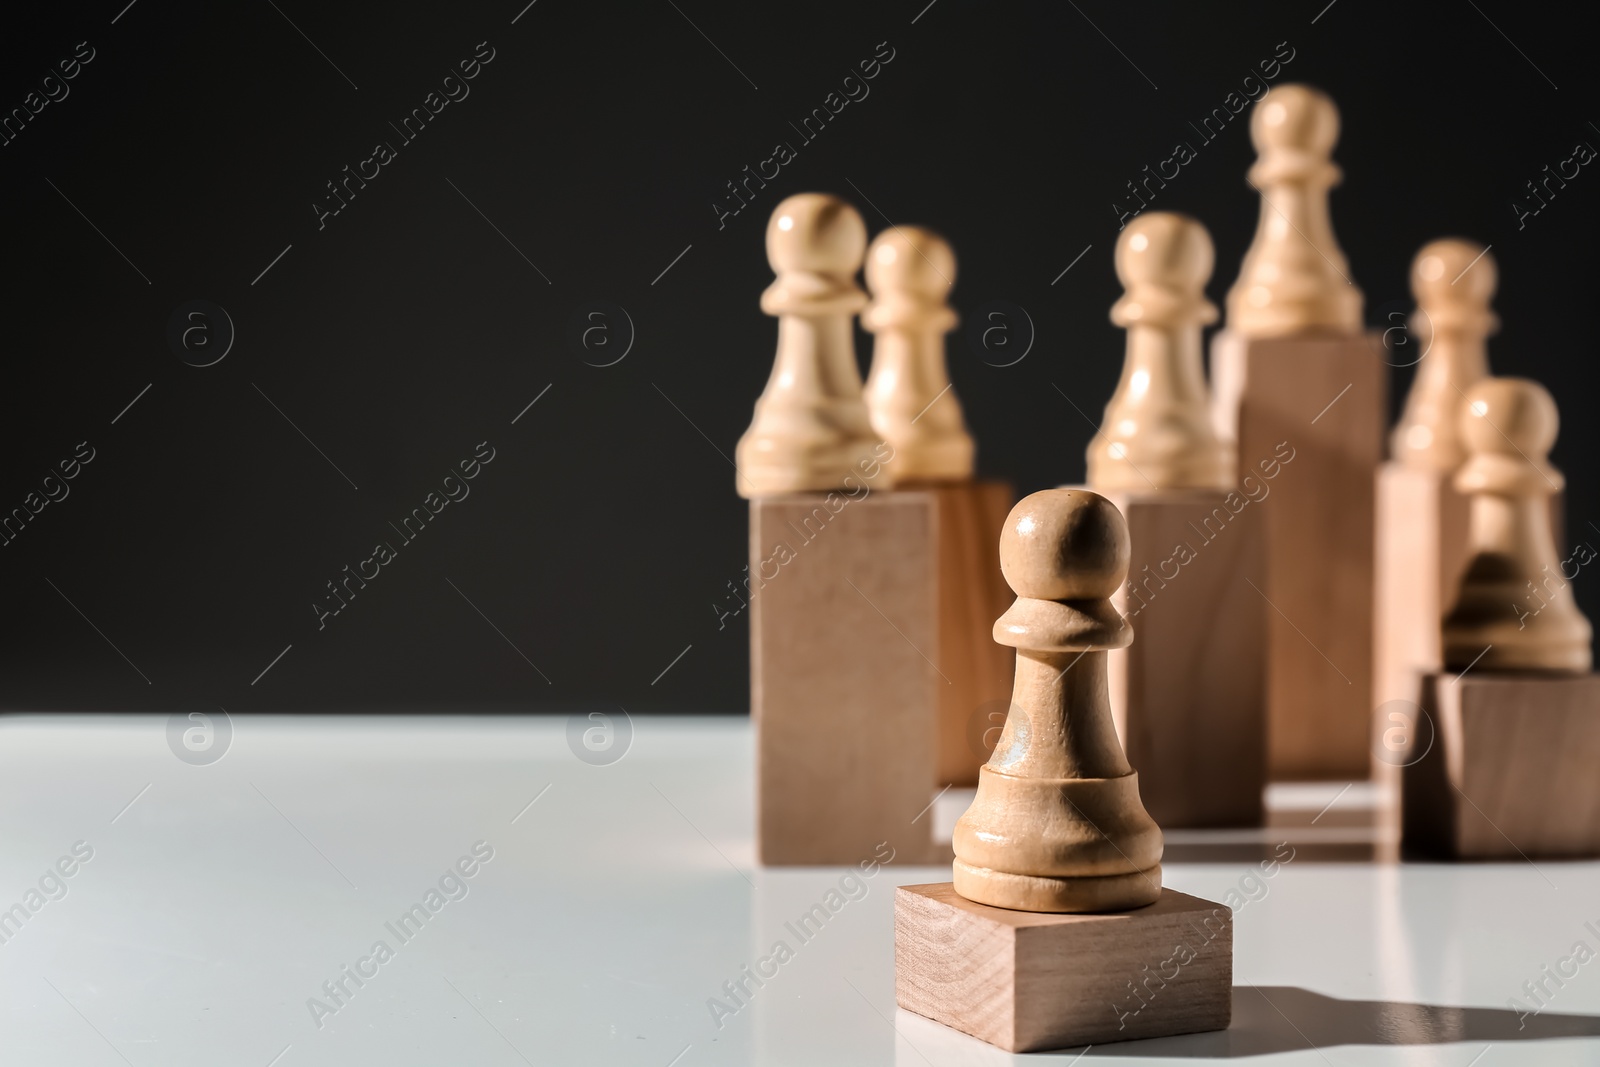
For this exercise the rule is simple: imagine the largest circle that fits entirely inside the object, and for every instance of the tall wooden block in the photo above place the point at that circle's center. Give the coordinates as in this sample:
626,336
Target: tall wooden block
1510,767
972,595
1189,695
1324,398
870,638
1420,554
1027,981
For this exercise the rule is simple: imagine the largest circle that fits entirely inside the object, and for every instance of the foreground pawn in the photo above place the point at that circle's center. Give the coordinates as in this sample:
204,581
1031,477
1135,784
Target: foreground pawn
1501,763
1295,278
1421,516
1294,378
910,271
1189,696
1057,824
1056,930
1157,428
1516,610
811,429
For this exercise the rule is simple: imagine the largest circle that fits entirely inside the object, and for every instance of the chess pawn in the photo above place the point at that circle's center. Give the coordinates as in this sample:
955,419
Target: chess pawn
1453,281
811,429
1294,279
1157,431
1057,824
1515,610
910,271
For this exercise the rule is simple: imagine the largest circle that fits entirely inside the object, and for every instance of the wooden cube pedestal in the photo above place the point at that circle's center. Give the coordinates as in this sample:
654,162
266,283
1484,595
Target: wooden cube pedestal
1027,981
870,649
1512,768
1189,695
1325,398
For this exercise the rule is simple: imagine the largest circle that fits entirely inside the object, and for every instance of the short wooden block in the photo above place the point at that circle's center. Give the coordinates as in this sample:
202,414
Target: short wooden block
1324,397
1189,695
1027,981
869,640
1511,771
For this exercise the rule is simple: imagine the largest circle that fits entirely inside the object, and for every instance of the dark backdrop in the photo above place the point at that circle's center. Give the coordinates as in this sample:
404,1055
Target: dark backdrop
388,340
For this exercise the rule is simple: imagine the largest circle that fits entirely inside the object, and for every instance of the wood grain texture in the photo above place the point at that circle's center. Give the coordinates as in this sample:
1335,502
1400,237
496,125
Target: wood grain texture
1420,554
972,594
1189,695
1027,981
1325,397
1511,771
870,653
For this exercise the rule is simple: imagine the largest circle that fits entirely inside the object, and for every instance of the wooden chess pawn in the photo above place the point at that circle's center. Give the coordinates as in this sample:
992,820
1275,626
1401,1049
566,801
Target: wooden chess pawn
1189,696
1057,825
1501,761
811,428
910,271
1295,279
1453,281
1157,431
1421,545
1516,610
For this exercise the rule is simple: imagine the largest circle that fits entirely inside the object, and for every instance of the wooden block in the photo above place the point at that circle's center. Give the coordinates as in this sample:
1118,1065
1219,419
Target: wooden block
1027,981
1511,768
870,649
1419,557
972,595
1189,695
1324,397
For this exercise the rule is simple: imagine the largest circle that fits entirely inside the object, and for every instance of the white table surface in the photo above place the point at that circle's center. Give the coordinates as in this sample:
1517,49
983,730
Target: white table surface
219,901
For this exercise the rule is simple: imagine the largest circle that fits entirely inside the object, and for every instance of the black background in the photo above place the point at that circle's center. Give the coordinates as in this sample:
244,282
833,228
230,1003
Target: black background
408,329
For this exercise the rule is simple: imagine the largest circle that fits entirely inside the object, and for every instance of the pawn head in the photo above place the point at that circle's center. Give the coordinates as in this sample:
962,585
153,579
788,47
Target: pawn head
1064,544
816,233
1453,272
1511,416
1295,117
911,260
1165,249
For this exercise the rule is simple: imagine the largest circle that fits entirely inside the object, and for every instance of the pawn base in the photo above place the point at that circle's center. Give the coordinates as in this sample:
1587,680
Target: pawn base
1505,767
1032,892
1027,981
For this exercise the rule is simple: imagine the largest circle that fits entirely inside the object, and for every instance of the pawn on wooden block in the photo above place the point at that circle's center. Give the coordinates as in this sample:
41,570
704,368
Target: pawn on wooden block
1293,375
1189,696
910,271
1507,768
1057,912
811,429
1421,517
864,603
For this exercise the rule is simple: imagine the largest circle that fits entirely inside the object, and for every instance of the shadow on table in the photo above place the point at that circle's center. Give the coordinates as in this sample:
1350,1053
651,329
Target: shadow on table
1268,1019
